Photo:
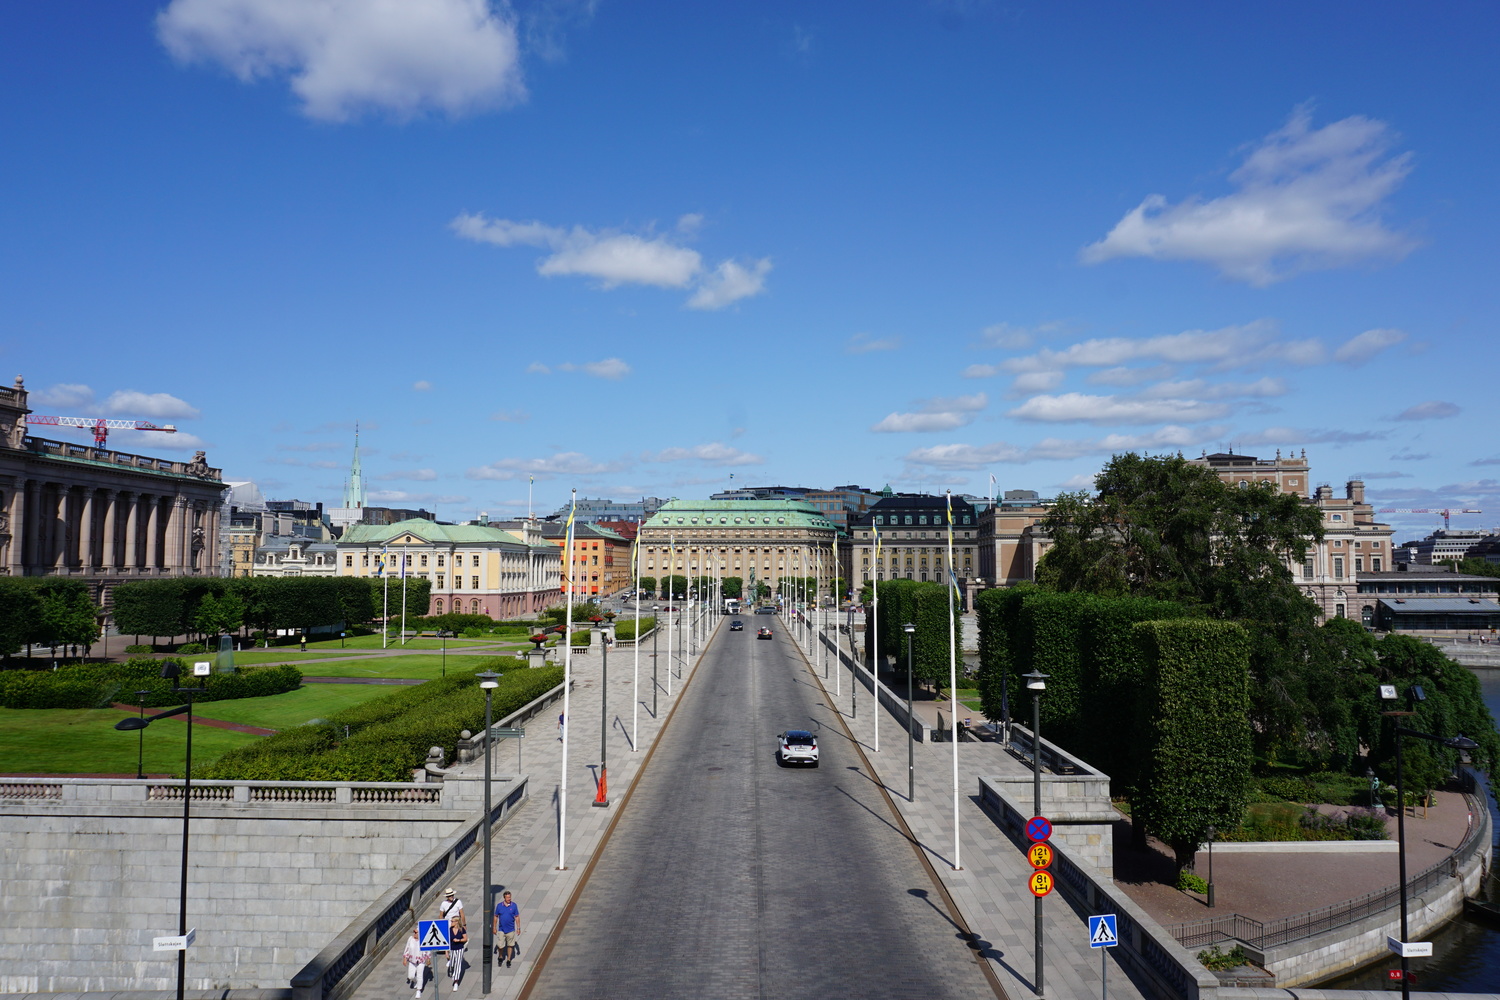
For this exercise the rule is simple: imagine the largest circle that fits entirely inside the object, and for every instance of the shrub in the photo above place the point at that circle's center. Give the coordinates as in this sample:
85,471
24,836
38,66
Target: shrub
192,647
625,628
91,686
1188,882
1215,960
583,637
140,648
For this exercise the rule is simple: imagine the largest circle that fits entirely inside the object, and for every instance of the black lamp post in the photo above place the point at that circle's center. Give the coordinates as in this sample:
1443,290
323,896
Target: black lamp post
911,723
140,742
172,671
1453,743
489,680
1036,683
655,634
443,635
1211,834
853,678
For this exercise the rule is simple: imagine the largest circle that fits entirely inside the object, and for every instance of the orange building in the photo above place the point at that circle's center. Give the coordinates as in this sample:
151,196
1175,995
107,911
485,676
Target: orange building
601,559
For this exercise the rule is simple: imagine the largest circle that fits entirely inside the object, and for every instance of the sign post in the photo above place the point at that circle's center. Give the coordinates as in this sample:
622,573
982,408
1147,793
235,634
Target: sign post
432,935
1038,829
1103,933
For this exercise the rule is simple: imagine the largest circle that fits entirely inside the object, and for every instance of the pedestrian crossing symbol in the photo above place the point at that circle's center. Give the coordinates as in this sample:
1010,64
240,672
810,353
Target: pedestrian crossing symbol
1102,933
433,935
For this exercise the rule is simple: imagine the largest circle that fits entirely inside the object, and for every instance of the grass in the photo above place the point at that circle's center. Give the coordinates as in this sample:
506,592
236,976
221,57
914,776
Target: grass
293,708
74,741
969,698
424,666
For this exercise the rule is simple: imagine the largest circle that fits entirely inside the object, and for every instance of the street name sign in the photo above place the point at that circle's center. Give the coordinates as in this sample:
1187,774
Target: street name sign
1409,949
174,942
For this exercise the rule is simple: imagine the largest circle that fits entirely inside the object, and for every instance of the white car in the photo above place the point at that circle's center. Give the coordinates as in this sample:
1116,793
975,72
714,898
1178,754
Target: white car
797,746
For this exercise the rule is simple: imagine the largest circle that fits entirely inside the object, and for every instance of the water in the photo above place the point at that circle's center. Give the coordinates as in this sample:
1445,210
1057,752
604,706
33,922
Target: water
1466,953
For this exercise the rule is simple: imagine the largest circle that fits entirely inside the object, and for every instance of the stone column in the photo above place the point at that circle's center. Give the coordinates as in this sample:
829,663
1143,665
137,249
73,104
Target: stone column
109,536
86,530
60,533
16,556
153,533
33,526
130,558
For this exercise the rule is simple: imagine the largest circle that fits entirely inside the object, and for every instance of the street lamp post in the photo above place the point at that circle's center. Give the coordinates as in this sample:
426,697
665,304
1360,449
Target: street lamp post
489,680
1453,743
172,672
911,723
1036,683
602,626
655,634
140,742
853,678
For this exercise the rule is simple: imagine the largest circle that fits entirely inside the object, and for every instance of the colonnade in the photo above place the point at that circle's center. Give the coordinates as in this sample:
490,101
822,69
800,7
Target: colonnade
63,529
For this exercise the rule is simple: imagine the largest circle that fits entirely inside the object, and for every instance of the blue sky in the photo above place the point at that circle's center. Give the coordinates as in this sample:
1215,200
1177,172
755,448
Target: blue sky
635,248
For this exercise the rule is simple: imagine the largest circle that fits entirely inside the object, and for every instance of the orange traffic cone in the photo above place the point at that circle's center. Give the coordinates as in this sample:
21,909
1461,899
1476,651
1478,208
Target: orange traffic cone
601,797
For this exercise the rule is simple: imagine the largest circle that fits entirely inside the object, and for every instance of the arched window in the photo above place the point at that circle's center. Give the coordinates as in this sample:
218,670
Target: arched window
474,606
437,606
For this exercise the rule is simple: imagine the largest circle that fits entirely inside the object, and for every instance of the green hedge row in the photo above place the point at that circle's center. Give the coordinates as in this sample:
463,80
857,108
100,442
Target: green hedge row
389,736
90,686
625,627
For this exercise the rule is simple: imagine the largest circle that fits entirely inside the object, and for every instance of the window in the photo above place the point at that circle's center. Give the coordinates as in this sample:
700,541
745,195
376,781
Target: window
1338,517
366,559
424,560
1375,564
349,561
1307,570
1359,564
476,559
1338,611
908,521
440,560
473,583
1338,569
440,584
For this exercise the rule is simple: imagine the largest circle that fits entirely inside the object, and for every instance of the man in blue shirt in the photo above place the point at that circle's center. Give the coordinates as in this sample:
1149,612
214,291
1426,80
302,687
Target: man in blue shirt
507,927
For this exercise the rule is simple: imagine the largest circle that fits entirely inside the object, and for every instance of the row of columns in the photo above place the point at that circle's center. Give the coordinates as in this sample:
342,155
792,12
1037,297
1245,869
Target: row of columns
57,529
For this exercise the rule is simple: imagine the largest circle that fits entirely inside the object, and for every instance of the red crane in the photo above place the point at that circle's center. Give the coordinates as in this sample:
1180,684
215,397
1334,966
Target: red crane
1446,512
100,426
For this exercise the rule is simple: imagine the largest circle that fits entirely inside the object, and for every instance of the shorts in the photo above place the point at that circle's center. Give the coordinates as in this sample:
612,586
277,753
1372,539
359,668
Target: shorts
508,939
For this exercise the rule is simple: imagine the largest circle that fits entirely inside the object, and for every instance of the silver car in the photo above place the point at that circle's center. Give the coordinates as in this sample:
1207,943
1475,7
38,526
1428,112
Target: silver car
797,746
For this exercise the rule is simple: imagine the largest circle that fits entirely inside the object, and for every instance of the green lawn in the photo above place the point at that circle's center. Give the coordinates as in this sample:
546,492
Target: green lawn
425,666
293,708
73,741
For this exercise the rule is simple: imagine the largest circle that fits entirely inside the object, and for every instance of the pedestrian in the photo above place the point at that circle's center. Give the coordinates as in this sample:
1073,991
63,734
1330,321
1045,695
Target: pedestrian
458,937
416,961
507,927
453,908
559,728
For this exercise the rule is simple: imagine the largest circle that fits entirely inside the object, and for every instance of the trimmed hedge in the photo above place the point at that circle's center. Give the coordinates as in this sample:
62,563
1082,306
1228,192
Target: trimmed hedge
388,737
89,686
625,627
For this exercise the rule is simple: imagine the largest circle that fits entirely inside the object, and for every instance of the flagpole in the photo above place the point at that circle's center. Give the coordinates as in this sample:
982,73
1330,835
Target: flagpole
385,605
953,685
671,562
874,633
567,721
404,559
635,717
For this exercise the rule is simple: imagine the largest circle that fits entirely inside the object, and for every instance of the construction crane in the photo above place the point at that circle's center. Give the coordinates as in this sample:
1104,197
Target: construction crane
100,426
1446,512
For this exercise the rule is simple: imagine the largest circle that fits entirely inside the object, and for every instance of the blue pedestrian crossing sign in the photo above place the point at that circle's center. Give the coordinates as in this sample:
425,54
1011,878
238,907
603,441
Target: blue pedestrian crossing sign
432,935
1102,932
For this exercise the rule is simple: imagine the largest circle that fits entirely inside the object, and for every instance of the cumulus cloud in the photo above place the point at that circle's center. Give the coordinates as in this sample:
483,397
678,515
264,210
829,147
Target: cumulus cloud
1197,388
537,368
347,57
610,368
1434,409
714,453
567,463
1034,382
1077,406
617,258
730,282
1010,337
968,456
941,413
421,385
1305,435
981,371
863,343
413,475
1410,456
1125,377
63,396
1231,347
313,446
158,405
1363,346
1305,198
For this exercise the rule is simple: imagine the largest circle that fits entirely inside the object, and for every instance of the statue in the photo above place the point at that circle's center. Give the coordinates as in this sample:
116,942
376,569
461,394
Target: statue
199,465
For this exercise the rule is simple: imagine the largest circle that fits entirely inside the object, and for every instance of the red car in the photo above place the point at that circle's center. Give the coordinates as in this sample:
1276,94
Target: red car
764,633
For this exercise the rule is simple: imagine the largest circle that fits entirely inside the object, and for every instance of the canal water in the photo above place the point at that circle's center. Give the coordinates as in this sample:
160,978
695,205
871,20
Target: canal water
1466,953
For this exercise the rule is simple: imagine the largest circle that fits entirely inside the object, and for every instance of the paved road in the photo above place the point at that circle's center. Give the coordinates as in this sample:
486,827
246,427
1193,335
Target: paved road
728,876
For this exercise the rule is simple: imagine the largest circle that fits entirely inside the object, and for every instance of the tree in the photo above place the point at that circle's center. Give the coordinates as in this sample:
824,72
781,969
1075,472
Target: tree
1473,566
219,615
733,586
648,584
762,590
151,607
20,606
676,586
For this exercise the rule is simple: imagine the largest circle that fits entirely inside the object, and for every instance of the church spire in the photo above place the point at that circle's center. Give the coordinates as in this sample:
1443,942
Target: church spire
354,486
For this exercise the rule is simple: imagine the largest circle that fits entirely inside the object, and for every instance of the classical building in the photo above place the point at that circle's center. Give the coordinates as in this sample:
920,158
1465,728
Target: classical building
99,515
759,540
474,568
1429,599
601,559
1354,542
1443,545
288,555
1011,538
914,542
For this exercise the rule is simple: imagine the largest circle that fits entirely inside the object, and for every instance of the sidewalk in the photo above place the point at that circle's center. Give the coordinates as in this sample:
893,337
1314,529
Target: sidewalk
525,849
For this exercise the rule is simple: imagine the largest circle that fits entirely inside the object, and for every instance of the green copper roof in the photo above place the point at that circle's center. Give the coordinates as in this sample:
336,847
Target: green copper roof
774,512
428,531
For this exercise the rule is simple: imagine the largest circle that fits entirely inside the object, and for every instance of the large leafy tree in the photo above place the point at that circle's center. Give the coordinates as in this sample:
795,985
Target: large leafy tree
734,586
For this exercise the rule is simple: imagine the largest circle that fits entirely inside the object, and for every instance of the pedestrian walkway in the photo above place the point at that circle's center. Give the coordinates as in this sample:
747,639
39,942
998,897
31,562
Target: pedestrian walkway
525,849
990,890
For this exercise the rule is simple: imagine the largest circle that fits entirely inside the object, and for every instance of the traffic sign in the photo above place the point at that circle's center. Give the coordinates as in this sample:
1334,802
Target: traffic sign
1409,949
175,942
433,935
508,732
1102,931
1040,882
1040,855
1039,828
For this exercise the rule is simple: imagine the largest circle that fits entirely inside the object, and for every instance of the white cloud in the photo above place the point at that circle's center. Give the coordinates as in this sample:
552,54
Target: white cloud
537,368
1304,199
313,446
421,385
346,57
1305,435
1082,481
1035,382
403,498
63,396
863,343
981,371
567,463
1363,346
967,456
1434,409
1125,377
714,453
1224,349
413,475
617,258
610,368
730,282
150,442
303,463
941,413
1199,389
511,416
1009,337
1077,406
144,405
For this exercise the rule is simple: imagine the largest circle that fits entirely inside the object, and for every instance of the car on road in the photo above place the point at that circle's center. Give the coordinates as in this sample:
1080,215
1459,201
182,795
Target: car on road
797,746
764,633
736,626
765,611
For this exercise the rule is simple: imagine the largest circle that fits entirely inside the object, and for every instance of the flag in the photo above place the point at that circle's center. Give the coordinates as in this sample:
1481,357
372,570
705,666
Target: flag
950,514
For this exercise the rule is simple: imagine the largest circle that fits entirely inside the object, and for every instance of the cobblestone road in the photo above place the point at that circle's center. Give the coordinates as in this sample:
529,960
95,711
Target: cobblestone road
729,876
